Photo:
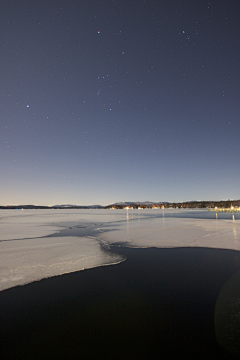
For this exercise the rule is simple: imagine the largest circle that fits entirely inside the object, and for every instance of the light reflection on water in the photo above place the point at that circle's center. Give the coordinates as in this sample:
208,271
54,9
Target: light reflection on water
200,214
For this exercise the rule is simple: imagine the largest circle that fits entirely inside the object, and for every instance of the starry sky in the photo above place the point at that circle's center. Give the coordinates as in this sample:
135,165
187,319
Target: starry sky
105,101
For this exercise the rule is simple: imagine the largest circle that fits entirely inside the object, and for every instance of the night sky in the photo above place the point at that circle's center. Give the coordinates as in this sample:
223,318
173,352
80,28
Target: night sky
107,101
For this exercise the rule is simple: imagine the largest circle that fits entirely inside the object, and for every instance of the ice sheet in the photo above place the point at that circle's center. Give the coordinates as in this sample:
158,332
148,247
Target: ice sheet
36,244
30,260
175,232
30,248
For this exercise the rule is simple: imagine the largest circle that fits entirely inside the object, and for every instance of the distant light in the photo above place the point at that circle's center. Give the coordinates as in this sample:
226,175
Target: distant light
123,52
98,32
27,105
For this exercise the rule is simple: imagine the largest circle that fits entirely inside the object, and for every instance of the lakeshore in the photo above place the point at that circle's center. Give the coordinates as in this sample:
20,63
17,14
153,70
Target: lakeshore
232,209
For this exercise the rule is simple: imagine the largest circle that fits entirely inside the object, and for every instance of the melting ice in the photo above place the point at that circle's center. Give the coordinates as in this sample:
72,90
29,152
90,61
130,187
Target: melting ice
36,244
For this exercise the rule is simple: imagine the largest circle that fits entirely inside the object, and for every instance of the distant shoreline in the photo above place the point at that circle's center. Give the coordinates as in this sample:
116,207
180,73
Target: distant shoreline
223,205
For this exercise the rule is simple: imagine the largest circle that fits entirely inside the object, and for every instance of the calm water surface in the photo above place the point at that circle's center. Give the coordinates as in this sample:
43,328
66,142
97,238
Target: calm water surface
157,301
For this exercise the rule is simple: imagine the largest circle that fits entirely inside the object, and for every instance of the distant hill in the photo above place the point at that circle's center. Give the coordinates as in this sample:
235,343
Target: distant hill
136,204
146,203
78,206
52,207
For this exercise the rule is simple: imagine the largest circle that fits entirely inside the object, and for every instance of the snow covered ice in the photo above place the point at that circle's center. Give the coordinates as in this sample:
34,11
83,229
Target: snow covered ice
30,248
36,244
176,232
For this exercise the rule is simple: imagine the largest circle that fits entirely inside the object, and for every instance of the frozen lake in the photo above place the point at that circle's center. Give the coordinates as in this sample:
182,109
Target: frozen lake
37,244
177,294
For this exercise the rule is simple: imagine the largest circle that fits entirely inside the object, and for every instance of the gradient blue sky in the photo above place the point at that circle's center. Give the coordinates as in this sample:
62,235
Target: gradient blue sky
106,101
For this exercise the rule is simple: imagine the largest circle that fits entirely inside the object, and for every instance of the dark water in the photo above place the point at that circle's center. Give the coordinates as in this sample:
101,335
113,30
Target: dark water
158,304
